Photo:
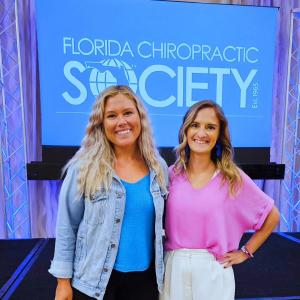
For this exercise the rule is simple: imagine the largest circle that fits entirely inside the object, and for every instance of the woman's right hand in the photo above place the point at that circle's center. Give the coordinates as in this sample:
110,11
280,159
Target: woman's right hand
63,290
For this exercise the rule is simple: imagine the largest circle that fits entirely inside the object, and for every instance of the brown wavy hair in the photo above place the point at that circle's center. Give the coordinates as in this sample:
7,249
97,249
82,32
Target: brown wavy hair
224,161
96,157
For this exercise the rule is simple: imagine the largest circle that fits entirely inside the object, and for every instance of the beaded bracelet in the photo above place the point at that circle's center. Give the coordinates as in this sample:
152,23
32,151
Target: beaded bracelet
247,252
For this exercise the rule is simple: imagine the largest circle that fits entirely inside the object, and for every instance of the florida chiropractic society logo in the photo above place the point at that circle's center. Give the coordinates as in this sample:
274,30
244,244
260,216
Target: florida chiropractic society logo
111,68
110,72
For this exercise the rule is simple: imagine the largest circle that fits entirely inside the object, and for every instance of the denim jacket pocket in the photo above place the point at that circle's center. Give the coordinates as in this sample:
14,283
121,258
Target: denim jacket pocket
96,208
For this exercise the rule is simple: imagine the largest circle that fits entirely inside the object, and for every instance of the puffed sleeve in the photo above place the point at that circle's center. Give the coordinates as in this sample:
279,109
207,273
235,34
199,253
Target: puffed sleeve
252,204
69,216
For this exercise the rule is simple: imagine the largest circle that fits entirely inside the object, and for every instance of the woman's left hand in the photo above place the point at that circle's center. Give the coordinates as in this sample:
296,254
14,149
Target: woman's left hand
233,258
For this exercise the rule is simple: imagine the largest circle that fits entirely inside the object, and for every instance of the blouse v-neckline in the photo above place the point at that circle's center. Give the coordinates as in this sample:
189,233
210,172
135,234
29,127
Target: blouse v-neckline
215,174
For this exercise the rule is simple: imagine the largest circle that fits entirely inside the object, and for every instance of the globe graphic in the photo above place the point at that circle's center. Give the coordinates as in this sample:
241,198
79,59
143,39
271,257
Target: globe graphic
110,72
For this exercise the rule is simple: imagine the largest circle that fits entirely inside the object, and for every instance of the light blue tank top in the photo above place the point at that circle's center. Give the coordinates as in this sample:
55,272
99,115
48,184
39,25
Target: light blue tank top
136,246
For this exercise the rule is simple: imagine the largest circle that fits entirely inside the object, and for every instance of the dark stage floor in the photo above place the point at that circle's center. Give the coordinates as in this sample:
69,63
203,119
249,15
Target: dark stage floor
274,273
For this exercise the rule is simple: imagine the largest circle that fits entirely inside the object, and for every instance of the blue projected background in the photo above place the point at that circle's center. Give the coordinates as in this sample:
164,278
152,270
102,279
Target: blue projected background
171,53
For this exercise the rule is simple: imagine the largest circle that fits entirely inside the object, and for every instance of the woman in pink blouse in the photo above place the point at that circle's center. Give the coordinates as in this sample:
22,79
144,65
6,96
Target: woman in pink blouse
211,204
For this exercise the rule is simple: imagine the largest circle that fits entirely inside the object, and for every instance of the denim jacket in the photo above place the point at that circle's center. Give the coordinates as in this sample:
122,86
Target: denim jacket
88,233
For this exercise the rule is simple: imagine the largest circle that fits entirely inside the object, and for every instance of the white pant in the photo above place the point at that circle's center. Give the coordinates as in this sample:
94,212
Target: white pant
196,275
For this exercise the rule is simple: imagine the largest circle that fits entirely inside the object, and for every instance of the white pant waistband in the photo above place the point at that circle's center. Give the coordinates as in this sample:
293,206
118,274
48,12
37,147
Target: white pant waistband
197,253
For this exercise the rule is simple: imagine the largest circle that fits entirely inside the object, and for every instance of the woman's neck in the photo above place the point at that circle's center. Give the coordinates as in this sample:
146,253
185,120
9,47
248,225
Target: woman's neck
200,170
130,165
200,164
127,154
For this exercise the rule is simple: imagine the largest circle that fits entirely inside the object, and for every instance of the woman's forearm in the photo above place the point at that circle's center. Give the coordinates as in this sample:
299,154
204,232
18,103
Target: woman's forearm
64,289
264,232
64,281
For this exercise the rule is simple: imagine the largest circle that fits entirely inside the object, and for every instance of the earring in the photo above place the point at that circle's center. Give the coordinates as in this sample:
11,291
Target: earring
218,149
187,152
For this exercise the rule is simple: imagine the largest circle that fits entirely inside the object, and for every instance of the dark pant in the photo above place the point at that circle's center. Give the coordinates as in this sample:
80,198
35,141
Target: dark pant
128,286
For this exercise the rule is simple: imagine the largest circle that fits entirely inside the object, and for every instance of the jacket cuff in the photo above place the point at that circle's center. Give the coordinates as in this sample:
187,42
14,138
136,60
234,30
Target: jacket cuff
61,269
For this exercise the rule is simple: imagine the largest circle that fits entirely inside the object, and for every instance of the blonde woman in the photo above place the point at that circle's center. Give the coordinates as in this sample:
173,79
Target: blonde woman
211,204
109,226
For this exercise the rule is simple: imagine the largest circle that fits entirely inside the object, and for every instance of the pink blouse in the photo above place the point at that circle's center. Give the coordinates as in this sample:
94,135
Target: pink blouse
209,217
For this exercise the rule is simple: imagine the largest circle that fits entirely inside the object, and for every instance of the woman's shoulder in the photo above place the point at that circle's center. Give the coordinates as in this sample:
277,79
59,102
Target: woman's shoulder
174,172
245,177
164,167
72,167
171,169
247,186
70,171
162,162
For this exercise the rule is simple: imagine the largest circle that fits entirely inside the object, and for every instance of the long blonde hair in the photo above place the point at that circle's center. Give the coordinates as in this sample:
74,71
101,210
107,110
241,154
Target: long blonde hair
224,160
96,156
